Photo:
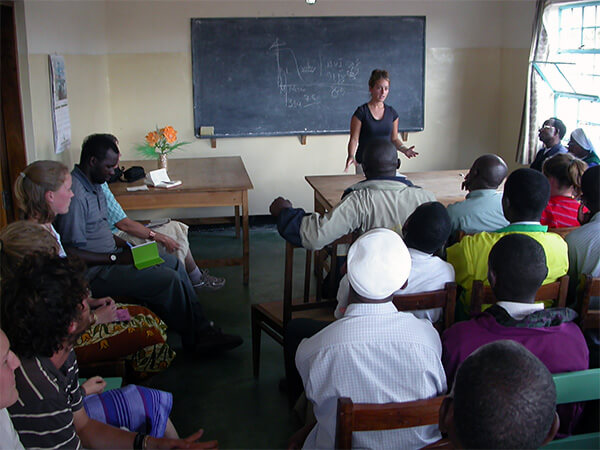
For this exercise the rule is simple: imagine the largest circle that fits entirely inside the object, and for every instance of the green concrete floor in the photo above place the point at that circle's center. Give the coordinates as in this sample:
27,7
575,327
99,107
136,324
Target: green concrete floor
220,393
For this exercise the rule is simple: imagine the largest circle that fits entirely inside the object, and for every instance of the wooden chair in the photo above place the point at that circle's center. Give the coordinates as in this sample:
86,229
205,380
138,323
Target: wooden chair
443,298
562,231
589,319
382,416
273,317
577,387
556,291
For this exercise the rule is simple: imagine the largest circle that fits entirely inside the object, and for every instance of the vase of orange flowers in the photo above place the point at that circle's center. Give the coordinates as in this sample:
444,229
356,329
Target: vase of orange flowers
160,143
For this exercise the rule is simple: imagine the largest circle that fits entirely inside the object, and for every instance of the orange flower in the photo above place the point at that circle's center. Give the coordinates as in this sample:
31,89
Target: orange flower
152,138
169,133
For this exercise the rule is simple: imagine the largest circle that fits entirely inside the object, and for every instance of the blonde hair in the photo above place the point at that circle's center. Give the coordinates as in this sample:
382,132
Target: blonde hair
31,187
21,239
566,169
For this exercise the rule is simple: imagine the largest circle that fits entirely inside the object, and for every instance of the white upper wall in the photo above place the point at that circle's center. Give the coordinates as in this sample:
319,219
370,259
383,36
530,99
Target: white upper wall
101,27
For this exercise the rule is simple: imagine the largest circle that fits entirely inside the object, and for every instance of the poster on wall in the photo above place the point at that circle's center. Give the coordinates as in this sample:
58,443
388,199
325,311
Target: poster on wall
61,123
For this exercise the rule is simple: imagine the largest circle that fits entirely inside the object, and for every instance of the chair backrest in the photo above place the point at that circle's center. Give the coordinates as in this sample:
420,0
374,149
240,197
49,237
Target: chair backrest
562,231
557,292
443,298
589,318
288,305
571,387
382,416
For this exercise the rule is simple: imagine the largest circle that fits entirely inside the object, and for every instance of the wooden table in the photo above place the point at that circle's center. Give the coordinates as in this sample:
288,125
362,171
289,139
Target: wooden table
445,185
221,181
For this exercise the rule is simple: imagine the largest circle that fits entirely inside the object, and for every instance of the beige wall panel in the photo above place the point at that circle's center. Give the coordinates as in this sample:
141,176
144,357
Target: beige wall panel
89,111
514,82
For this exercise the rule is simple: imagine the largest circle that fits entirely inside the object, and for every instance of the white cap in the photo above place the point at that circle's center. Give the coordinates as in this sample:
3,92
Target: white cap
378,264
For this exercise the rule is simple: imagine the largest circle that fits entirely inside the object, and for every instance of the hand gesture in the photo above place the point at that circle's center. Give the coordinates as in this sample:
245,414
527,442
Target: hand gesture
410,152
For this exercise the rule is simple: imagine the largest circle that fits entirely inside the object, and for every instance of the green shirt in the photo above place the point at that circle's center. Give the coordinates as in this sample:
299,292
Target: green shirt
470,256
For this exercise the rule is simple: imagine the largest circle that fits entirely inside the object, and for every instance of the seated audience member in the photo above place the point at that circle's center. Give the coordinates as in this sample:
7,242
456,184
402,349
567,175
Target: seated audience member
43,190
564,173
482,208
374,353
425,232
550,133
517,267
165,288
580,146
526,194
44,311
584,249
172,237
503,397
382,200
8,393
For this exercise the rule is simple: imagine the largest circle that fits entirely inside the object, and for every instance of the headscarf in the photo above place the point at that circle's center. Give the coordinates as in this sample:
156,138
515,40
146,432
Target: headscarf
578,135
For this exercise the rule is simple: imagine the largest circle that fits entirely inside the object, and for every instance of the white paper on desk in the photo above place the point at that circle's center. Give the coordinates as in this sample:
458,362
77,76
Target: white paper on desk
160,178
143,187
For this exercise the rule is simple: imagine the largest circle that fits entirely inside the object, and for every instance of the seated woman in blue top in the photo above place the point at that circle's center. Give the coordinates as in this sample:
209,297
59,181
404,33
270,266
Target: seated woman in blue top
374,119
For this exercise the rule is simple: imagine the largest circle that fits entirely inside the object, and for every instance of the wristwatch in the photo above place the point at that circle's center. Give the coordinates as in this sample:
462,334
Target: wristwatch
113,258
151,235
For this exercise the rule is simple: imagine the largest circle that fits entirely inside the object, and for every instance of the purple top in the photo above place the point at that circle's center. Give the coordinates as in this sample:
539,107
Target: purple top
561,348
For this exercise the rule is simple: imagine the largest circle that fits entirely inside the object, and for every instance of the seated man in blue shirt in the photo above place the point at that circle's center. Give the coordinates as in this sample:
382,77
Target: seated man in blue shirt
481,210
165,288
551,133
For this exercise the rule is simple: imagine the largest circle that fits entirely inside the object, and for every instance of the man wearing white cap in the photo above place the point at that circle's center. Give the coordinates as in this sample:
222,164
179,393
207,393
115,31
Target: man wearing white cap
374,353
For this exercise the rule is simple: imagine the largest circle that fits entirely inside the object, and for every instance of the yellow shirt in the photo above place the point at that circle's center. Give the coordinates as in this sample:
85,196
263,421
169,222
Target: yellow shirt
470,256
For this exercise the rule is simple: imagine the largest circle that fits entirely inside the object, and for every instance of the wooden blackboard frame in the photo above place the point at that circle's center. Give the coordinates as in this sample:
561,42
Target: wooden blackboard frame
258,76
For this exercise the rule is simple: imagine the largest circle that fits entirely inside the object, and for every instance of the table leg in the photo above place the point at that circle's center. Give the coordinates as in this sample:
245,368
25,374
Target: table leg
237,221
246,237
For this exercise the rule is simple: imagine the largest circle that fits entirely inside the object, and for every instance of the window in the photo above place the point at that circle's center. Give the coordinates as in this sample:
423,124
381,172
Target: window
572,70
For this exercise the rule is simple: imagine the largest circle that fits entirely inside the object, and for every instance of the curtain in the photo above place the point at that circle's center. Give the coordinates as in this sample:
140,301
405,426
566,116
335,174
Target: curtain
531,117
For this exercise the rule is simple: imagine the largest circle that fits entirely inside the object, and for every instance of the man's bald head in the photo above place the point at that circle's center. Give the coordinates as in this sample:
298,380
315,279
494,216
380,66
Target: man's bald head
380,159
487,172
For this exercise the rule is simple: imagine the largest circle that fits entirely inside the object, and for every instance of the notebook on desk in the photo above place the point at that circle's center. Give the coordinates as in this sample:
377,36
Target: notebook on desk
146,255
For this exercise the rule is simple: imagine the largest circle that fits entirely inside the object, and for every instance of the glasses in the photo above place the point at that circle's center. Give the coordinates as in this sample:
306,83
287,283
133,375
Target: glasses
546,127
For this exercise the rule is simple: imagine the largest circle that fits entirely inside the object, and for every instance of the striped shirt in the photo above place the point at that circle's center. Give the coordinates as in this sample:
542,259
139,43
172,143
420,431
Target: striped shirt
48,397
560,212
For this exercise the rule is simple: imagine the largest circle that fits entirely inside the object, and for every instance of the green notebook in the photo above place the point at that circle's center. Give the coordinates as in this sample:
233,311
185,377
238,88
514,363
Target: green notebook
146,255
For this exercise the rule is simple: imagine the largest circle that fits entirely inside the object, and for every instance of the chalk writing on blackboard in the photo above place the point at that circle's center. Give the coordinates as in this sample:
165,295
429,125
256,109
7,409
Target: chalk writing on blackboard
308,82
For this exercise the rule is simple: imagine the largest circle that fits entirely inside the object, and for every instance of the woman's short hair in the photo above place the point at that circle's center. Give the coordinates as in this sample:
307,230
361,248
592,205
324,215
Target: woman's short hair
566,169
377,75
20,239
31,187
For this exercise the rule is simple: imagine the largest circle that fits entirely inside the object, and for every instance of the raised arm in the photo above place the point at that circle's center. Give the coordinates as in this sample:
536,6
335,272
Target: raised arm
409,152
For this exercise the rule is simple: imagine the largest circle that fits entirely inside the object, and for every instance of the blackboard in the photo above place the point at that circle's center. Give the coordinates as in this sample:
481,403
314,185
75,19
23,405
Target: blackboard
302,75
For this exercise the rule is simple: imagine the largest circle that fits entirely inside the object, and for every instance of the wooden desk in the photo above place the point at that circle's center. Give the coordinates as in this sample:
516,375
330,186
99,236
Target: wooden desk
445,184
221,181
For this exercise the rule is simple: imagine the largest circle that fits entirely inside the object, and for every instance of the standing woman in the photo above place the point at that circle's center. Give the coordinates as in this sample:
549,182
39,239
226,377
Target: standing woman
374,119
43,190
